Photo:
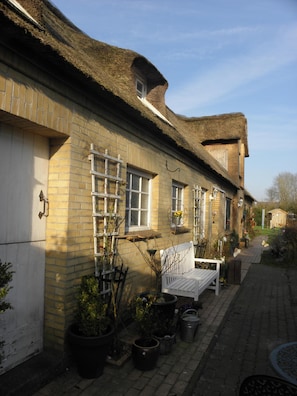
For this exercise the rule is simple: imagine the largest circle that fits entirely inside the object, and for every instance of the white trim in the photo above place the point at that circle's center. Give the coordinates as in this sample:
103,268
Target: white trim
154,110
20,8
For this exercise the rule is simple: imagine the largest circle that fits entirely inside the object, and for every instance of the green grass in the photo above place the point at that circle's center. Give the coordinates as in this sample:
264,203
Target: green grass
270,232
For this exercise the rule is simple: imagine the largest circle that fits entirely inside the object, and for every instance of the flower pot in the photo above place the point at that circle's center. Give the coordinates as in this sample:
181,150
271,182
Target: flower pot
145,353
90,353
163,309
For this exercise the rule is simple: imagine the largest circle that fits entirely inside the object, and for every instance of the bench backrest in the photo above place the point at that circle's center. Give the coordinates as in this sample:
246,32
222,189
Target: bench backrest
178,259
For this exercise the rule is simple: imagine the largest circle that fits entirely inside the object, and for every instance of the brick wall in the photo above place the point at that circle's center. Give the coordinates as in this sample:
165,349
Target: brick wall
69,237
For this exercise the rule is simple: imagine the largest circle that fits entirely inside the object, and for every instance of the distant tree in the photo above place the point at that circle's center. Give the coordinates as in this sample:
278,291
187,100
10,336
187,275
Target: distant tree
284,191
257,210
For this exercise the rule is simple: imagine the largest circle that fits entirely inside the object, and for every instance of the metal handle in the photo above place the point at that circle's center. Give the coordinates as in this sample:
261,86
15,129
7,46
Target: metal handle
43,199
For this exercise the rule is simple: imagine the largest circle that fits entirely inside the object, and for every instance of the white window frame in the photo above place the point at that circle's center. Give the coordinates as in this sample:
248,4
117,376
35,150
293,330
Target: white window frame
144,201
141,88
177,202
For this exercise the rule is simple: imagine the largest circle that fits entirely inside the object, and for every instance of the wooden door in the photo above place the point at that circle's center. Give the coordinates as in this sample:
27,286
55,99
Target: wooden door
23,174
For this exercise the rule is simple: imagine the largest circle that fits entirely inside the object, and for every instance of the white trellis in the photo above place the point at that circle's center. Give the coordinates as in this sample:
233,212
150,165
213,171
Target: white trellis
197,195
106,194
198,220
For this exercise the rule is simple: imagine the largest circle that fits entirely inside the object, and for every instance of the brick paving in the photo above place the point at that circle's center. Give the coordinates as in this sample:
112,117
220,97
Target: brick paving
239,329
262,316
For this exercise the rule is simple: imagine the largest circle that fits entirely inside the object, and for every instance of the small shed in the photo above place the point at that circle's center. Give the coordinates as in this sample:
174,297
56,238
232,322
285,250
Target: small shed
277,217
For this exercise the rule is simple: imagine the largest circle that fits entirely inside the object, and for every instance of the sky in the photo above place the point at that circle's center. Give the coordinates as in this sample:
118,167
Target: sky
218,56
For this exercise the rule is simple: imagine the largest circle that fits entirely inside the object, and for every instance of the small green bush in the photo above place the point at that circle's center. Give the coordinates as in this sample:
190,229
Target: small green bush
91,318
283,248
5,278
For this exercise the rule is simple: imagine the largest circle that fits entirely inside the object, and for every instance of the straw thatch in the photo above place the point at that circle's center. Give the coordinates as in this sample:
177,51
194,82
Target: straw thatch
108,72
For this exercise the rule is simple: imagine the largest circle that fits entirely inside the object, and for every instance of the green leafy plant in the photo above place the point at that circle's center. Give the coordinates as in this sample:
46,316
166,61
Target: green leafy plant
91,317
5,278
150,316
143,316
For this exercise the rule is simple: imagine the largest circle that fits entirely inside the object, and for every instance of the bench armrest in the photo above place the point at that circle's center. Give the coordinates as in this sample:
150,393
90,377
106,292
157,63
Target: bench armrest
210,261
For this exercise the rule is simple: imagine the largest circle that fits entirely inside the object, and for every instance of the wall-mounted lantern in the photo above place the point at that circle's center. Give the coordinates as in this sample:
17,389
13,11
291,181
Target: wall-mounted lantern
214,194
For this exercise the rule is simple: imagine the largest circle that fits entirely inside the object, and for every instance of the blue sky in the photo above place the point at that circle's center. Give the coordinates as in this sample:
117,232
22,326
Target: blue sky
218,56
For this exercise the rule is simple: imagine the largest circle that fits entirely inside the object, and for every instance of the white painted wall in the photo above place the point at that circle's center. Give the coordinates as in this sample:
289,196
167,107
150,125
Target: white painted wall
23,173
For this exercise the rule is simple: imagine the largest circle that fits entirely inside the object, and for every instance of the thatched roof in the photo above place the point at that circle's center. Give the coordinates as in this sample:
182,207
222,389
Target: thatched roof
106,72
217,128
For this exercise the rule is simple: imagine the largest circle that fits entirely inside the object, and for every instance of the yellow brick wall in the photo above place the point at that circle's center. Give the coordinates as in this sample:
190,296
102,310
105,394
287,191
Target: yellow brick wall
69,235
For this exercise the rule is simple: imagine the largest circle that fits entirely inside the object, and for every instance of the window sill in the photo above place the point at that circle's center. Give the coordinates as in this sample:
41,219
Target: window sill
140,235
179,230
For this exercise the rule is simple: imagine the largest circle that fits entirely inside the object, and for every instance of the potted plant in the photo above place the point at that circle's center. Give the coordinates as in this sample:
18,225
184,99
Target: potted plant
91,335
146,349
163,315
161,305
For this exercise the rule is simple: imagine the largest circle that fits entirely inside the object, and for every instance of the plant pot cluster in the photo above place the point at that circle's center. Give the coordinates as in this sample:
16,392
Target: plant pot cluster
154,314
91,336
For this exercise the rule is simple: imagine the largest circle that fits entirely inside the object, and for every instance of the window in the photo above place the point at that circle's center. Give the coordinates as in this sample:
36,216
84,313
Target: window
228,214
177,204
140,88
199,205
137,200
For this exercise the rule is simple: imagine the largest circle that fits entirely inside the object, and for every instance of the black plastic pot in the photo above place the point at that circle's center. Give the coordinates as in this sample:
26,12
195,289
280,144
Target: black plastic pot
89,353
145,353
163,311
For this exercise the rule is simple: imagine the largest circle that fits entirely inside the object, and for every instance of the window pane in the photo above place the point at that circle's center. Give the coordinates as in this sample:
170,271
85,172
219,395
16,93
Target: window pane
173,204
139,86
134,218
134,200
173,192
135,182
145,185
144,201
143,220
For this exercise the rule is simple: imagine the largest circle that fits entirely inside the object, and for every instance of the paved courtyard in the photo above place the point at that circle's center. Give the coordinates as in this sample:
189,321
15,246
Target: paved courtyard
239,330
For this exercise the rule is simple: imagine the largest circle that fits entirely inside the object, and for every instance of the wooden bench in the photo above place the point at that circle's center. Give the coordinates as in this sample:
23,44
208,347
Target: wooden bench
182,275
